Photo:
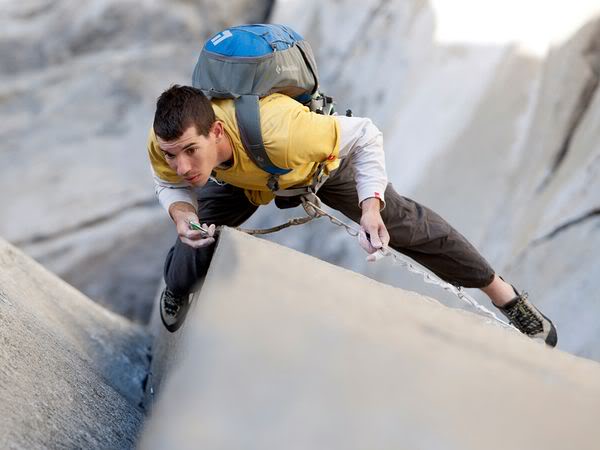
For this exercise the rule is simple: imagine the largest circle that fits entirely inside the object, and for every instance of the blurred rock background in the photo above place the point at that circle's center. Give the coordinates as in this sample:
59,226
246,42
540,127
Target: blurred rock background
78,83
489,111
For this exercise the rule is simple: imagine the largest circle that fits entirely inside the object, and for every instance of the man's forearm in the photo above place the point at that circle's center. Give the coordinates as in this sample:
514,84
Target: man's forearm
169,193
181,210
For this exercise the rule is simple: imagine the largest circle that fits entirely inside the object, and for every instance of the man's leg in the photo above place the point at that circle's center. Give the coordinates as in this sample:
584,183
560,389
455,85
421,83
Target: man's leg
424,236
415,231
185,266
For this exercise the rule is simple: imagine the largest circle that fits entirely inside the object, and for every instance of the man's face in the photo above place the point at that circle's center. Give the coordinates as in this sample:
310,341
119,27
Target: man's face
192,156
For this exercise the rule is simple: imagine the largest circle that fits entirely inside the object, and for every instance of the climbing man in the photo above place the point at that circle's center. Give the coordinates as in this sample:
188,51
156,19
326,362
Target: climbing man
203,174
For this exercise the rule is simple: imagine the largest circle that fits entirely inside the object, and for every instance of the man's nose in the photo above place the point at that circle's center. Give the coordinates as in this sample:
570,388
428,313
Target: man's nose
183,167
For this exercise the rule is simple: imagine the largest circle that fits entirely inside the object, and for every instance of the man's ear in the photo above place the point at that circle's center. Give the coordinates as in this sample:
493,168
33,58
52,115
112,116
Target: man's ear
217,129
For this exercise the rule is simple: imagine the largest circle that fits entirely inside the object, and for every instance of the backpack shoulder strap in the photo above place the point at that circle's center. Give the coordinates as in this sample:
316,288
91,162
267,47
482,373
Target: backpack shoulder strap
247,115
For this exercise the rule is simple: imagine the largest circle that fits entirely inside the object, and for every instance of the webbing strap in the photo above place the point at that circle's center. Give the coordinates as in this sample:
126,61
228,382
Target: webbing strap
319,180
248,119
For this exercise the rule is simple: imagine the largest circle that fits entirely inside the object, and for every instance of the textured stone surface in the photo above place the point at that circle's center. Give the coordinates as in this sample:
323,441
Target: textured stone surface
71,373
281,350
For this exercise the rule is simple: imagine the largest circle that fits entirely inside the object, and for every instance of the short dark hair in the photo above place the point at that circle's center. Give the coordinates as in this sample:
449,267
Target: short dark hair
178,108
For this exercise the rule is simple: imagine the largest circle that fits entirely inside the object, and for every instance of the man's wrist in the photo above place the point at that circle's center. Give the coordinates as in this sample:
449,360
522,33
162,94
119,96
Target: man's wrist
371,204
181,209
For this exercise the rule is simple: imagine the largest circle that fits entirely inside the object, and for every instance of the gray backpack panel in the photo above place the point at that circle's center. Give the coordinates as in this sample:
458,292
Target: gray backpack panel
291,72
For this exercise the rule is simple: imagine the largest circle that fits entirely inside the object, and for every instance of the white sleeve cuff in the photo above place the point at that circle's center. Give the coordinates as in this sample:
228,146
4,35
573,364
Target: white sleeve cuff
168,196
169,193
376,190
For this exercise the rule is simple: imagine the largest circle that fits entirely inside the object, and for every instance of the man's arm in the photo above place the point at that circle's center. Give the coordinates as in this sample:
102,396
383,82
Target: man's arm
362,141
181,203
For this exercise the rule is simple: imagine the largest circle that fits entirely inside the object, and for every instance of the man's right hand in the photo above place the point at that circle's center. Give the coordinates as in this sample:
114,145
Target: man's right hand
182,213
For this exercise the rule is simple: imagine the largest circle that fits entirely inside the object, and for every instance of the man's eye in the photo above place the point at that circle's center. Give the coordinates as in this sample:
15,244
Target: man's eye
167,156
190,151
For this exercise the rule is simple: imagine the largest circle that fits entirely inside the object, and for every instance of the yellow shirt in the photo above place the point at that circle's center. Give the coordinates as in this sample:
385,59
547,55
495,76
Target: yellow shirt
294,138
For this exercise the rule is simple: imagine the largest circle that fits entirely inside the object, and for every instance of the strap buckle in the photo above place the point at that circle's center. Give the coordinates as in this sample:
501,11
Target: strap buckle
273,183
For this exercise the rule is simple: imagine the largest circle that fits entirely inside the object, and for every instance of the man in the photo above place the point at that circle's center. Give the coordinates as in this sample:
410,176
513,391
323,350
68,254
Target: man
202,173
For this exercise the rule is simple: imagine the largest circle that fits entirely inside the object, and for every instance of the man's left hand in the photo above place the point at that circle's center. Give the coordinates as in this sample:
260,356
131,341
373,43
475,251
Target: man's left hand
371,224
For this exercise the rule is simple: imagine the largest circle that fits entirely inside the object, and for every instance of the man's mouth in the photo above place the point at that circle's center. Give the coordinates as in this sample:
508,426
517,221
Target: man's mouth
193,179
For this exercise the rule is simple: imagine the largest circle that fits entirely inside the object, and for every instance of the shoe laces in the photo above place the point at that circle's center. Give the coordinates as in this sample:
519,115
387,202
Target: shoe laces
172,303
524,316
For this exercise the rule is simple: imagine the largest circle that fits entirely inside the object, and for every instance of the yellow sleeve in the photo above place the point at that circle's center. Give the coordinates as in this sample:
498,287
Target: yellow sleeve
312,138
158,162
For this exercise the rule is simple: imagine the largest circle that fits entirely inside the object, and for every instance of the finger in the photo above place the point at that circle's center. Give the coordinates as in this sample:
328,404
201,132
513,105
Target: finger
212,229
193,234
375,256
375,239
200,243
364,241
385,236
205,242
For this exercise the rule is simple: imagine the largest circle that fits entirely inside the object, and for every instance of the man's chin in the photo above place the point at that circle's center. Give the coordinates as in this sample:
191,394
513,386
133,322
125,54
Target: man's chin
197,183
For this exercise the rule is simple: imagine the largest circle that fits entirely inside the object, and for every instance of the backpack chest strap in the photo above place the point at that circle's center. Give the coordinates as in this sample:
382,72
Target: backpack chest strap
247,114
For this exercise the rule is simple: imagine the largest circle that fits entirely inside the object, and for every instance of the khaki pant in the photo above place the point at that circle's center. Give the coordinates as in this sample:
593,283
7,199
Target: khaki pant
415,231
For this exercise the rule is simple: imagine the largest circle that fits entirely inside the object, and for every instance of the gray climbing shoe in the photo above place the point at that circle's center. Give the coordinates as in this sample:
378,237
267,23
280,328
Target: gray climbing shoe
173,309
529,320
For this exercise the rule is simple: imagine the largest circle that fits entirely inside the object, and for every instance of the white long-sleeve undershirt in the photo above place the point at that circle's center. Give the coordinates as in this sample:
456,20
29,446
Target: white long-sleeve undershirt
169,193
360,140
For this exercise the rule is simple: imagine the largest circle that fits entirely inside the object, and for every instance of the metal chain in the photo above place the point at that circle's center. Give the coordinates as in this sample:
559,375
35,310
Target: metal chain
312,207
399,258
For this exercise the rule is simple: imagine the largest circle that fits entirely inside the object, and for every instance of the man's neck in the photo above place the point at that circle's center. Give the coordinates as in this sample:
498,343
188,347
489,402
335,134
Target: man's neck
225,151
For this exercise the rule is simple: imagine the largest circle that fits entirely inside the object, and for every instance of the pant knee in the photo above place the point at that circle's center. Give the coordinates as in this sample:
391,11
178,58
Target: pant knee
185,267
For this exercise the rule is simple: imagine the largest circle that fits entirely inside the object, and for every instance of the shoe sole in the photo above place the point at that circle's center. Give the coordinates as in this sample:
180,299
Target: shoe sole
173,327
552,338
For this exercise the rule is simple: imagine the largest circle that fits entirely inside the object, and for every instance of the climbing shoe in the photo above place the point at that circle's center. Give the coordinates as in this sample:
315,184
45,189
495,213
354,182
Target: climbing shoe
529,320
173,309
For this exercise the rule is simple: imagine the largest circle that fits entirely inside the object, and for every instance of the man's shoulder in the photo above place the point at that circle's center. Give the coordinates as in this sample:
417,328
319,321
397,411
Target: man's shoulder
269,102
222,106
280,108
281,102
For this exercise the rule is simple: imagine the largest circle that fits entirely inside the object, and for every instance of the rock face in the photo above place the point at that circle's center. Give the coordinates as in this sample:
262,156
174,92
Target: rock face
497,133
349,363
71,373
78,86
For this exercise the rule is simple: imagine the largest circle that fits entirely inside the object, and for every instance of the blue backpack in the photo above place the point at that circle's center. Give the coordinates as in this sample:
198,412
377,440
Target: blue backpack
248,62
